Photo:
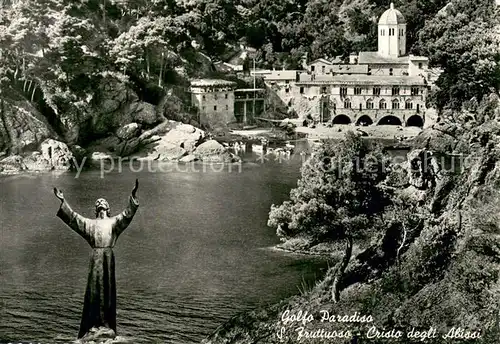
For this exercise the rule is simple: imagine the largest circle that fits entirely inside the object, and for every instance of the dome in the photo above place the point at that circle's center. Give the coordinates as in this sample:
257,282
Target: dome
392,17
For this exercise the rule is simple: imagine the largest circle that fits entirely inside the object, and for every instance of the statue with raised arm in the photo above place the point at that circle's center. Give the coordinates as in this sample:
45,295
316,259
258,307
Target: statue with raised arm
99,308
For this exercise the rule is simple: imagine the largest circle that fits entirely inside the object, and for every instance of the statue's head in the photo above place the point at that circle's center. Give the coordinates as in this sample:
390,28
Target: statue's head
101,204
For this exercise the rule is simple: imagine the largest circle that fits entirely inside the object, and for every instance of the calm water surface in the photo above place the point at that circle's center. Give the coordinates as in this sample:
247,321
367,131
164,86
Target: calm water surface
195,254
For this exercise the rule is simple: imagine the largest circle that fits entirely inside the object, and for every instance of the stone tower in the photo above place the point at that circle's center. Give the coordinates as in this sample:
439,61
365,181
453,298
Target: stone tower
392,33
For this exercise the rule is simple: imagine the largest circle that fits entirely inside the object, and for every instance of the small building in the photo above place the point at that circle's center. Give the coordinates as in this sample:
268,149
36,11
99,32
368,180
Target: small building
214,99
319,66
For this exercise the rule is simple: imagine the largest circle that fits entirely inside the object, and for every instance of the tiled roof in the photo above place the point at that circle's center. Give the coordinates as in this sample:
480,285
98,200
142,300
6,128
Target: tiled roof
282,75
350,68
418,58
375,80
211,82
325,61
373,57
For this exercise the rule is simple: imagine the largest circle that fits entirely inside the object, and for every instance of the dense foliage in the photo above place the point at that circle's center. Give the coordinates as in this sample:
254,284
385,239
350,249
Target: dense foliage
69,45
464,39
338,193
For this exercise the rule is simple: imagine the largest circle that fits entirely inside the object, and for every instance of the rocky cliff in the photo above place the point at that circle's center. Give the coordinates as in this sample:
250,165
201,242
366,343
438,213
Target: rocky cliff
435,263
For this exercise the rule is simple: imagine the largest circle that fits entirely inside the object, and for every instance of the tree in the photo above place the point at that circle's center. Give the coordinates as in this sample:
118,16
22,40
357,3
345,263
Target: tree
464,41
337,197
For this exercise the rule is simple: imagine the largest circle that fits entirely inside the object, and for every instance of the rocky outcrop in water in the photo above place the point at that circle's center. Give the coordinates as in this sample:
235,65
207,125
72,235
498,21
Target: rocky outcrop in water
51,155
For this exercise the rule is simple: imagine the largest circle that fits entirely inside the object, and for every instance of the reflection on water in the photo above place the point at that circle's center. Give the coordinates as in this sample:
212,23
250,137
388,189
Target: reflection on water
192,257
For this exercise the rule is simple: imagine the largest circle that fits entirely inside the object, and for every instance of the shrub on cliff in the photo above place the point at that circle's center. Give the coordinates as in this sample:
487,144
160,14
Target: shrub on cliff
337,197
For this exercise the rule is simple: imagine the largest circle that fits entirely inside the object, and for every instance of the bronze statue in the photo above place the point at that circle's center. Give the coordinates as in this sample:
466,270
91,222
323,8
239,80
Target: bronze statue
99,309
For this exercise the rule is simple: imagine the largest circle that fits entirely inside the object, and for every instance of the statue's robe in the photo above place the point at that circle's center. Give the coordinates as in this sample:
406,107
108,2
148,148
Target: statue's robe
99,309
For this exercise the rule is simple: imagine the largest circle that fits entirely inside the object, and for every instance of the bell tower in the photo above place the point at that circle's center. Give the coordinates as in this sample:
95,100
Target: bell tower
392,33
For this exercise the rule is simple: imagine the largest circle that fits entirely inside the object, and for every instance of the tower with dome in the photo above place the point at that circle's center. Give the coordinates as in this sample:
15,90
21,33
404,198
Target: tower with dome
383,87
392,33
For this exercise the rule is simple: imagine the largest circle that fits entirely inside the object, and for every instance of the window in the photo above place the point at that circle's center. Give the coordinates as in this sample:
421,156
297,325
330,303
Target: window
203,97
343,91
323,69
382,104
347,104
226,95
323,90
415,91
408,105
369,104
215,96
395,104
312,68
287,82
391,71
360,107
357,90
215,107
420,65
395,91
376,91
287,90
227,107
301,90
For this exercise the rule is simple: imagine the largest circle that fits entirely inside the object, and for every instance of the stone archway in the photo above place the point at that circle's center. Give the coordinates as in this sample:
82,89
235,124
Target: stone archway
389,120
364,120
341,119
415,121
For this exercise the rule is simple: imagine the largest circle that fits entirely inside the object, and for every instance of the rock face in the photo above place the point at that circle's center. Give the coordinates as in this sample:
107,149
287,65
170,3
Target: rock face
128,131
112,106
12,164
22,127
213,151
51,155
117,106
168,141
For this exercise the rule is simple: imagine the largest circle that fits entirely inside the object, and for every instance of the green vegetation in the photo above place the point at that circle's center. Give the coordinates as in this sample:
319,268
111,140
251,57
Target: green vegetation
66,47
337,197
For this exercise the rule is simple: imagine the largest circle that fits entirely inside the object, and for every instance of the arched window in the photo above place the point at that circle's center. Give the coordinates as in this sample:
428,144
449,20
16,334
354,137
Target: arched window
408,104
347,104
391,71
382,105
395,104
369,104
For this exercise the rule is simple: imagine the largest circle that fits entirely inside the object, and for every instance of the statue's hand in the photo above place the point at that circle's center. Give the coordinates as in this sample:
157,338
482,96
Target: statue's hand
59,194
135,187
